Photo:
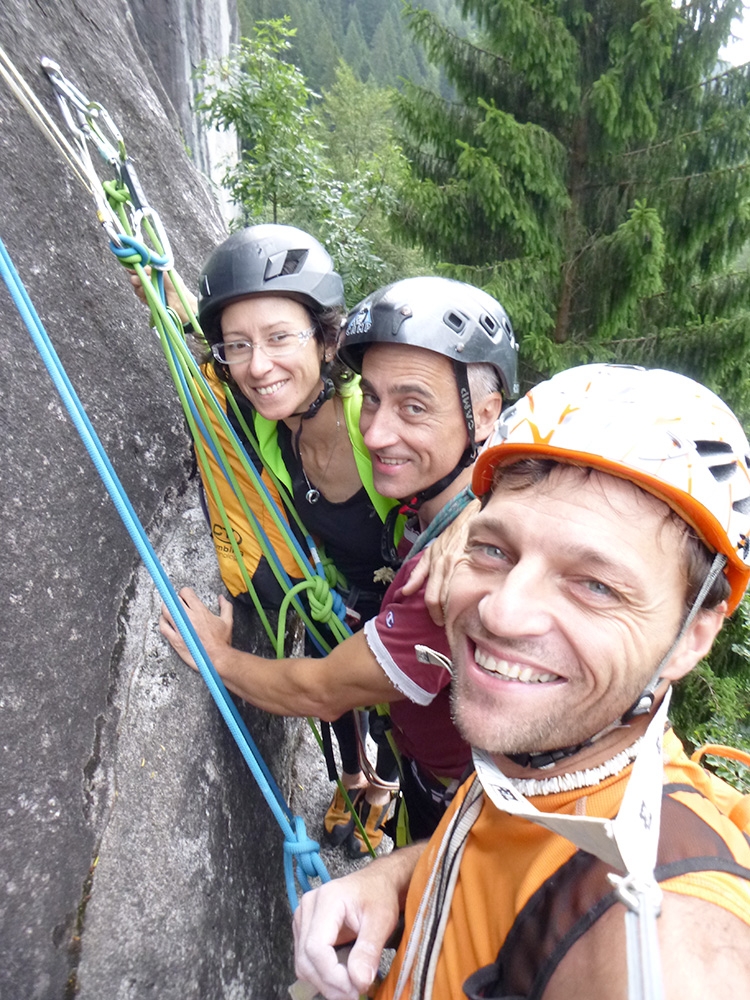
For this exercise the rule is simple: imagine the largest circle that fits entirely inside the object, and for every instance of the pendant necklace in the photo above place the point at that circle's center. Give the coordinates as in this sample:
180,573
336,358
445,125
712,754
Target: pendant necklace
313,493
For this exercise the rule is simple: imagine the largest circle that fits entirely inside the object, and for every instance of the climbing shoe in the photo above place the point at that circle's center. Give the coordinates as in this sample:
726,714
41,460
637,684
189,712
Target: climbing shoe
338,822
373,819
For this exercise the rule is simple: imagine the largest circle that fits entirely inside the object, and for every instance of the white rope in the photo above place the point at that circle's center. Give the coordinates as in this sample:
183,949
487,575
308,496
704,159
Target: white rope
78,159
432,908
39,116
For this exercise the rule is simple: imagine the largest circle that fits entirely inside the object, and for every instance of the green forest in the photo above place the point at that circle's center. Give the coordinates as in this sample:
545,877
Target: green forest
584,161
369,35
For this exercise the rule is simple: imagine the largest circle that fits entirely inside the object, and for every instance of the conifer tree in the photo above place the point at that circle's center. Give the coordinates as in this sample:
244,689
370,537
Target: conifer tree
387,49
593,174
370,15
317,45
354,50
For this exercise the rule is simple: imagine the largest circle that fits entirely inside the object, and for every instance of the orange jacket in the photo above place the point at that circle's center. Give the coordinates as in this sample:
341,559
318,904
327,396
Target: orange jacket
508,858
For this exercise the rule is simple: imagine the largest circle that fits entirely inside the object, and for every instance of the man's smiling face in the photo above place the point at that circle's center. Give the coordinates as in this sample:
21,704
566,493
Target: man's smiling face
411,420
570,593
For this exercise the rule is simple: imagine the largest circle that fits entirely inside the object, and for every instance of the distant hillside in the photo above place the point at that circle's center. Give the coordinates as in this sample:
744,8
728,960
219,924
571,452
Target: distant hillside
369,34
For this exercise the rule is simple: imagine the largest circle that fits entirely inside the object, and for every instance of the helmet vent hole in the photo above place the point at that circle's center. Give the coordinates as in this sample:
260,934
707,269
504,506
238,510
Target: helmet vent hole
742,506
489,324
454,321
708,448
723,472
286,262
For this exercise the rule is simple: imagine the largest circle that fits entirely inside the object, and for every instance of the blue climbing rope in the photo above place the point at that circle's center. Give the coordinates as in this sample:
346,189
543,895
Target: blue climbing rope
124,213
446,516
298,846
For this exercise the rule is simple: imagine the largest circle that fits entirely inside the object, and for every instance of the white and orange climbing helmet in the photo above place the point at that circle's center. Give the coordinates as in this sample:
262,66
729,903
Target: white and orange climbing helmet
668,434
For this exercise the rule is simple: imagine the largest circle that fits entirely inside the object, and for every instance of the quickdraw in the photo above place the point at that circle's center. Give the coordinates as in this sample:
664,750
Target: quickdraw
89,121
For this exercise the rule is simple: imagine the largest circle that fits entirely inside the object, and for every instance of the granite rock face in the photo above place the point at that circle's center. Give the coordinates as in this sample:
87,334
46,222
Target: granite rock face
178,36
137,859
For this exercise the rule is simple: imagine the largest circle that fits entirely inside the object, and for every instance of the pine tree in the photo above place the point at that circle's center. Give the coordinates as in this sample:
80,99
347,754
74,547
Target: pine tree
593,175
370,16
355,50
387,48
317,47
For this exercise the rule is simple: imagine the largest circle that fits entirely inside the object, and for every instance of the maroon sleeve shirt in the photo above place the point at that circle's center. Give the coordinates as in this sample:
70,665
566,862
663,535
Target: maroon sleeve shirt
422,726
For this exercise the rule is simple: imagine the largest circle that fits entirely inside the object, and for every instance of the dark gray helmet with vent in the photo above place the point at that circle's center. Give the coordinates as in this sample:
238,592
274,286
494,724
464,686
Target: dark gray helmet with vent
267,259
449,317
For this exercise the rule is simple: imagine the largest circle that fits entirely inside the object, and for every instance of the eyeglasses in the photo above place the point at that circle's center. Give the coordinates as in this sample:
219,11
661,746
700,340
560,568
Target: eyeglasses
279,345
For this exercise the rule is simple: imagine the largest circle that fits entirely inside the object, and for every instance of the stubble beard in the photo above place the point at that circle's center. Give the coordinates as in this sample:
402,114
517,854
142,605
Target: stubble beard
472,716
556,727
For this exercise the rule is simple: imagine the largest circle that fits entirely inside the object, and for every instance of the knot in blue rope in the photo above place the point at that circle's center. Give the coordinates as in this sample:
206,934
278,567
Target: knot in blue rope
303,848
325,602
306,852
133,251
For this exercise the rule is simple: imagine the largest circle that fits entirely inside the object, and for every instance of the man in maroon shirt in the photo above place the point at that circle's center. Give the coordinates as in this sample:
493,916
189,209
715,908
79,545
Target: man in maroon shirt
436,358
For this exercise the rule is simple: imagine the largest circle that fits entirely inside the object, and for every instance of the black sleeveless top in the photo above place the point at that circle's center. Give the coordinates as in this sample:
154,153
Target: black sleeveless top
351,532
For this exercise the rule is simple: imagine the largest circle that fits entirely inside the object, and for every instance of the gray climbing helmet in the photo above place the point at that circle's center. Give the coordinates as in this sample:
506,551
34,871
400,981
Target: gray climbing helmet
267,259
462,322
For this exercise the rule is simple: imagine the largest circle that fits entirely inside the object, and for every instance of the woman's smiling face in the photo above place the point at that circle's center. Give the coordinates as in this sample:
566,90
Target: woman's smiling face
276,387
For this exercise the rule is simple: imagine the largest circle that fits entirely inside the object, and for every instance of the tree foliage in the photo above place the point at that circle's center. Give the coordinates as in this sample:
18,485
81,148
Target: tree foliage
328,166
367,33
268,103
712,704
593,174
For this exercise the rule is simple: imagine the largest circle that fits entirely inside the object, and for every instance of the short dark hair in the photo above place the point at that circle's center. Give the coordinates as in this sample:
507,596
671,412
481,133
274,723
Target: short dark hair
698,557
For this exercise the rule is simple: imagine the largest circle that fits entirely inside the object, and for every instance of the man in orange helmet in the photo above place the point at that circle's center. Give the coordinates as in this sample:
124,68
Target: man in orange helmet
612,543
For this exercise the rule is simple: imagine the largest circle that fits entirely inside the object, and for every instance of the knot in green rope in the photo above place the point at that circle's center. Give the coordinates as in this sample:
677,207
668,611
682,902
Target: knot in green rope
321,601
334,577
116,192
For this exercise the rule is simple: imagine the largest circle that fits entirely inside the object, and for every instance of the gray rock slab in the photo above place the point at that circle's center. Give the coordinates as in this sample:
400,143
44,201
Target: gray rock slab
186,899
137,859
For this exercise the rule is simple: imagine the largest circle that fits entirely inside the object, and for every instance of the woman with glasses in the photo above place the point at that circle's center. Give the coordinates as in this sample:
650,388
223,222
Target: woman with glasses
270,305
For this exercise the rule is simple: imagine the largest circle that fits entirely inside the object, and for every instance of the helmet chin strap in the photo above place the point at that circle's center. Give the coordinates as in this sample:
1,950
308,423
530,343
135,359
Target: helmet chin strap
644,703
415,502
461,373
328,391
645,700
